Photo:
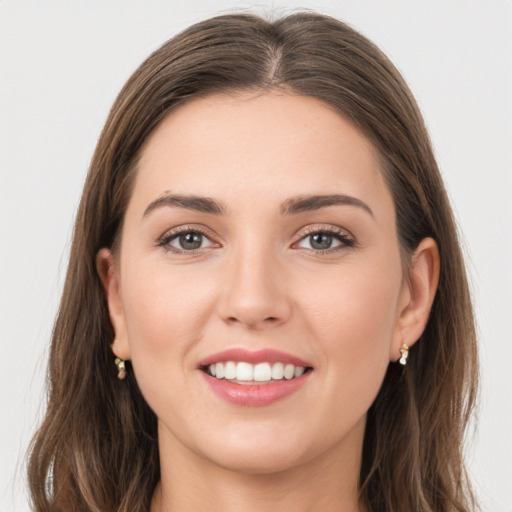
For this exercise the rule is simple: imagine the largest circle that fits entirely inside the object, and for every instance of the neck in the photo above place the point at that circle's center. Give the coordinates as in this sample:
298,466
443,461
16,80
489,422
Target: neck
191,483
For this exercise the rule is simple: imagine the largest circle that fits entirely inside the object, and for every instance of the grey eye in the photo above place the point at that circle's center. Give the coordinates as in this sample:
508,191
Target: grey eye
320,241
188,241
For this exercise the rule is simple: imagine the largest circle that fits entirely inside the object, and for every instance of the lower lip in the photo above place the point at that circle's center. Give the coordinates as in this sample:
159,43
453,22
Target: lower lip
254,395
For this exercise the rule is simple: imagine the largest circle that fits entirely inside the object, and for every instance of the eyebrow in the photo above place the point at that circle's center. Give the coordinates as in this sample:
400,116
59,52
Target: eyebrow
291,206
189,202
301,204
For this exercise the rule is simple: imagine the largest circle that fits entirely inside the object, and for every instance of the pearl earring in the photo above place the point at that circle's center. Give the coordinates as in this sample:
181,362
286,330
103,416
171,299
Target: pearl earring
121,369
404,352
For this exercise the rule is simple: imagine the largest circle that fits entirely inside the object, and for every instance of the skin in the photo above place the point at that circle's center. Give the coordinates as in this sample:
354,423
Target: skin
258,282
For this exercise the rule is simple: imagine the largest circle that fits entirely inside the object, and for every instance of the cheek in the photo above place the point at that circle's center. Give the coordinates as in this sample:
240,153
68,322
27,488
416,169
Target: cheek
164,311
354,324
362,302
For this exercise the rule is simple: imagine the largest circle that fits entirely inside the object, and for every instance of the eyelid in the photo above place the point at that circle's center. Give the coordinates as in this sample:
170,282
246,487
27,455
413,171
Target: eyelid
315,228
346,238
169,235
343,235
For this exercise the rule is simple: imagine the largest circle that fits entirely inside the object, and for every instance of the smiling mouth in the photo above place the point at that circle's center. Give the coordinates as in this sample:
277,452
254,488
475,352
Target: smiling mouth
262,373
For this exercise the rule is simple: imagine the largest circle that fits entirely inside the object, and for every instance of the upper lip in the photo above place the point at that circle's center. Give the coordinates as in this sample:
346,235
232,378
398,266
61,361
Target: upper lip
267,355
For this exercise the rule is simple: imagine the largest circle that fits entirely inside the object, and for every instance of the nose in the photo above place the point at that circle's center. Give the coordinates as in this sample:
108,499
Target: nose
255,290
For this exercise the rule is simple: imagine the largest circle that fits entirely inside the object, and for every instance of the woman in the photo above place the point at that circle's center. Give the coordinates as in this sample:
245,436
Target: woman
266,305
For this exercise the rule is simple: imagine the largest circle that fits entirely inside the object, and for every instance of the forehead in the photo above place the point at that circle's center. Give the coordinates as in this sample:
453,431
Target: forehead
256,146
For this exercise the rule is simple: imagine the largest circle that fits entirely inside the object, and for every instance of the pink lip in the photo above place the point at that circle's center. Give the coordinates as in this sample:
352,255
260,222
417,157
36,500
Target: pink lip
253,357
254,395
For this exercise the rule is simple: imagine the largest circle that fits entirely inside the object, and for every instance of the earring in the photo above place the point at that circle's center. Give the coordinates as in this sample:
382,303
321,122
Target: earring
121,370
404,351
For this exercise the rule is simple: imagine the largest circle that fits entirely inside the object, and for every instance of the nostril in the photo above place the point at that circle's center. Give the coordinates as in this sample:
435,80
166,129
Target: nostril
268,319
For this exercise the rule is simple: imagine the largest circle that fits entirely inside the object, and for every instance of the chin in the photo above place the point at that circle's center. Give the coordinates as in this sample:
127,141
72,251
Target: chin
257,461
263,449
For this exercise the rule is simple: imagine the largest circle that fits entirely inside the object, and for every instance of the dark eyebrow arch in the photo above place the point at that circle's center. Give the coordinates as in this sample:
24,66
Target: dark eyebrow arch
190,202
301,204
291,206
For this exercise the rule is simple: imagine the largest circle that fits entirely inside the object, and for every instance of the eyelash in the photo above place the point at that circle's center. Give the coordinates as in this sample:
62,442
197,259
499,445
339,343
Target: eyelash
168,237
342,235
346,239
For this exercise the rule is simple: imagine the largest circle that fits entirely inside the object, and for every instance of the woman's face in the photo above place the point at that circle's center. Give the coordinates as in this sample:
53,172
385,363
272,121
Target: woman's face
260,225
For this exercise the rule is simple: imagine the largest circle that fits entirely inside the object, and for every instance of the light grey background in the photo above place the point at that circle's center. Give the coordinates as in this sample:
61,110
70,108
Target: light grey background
61,66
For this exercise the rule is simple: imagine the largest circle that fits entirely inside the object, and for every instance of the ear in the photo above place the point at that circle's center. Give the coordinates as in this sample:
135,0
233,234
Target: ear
417,295
108,271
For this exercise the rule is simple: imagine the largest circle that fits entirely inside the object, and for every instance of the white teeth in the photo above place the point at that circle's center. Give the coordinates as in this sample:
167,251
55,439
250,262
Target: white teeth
299,370
230,370
219,370
278,371
244,371
261,372
289,371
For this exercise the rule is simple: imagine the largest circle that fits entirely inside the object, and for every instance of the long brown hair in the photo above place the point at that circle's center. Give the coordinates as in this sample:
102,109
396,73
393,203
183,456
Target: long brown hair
97,447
